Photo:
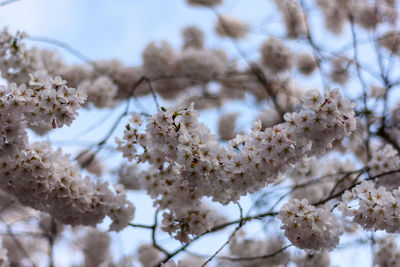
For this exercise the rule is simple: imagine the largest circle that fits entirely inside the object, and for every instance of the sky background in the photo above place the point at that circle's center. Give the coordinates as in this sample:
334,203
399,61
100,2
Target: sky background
121,29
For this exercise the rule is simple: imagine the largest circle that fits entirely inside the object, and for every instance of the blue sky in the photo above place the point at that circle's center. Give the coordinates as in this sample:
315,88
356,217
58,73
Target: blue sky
121,29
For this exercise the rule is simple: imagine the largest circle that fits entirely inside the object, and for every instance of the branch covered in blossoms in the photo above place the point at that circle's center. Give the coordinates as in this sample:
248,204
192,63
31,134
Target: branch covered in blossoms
317,172
44,179
189,164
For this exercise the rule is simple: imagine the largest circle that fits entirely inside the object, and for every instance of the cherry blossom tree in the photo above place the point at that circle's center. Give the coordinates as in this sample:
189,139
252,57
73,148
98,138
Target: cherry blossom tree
317,170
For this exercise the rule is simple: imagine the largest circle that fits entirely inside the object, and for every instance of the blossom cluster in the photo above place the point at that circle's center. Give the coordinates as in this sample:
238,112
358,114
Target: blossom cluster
276,56
88,160
11,252
96,248
47,180
44,179
101,92
377,209
188,261
148,255
193,37
364,13
3,258
308,227
386,252
306,63
231,27
188,161
239,246
17,61
226,126
384,160
293,16
311,260
181,223
43,104
340,69
128,176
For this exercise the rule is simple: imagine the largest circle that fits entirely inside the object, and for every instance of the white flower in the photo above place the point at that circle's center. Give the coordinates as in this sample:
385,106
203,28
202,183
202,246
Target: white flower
136,119
312,99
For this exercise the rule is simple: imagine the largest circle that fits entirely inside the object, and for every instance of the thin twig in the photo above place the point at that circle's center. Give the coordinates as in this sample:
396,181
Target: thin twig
257,257
141,225
241,223
268,214
255,69
102,142
315,48
18,243
223,245
363,84
352,186
215,229
152,92
7,2
50,237
153,235
63,45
